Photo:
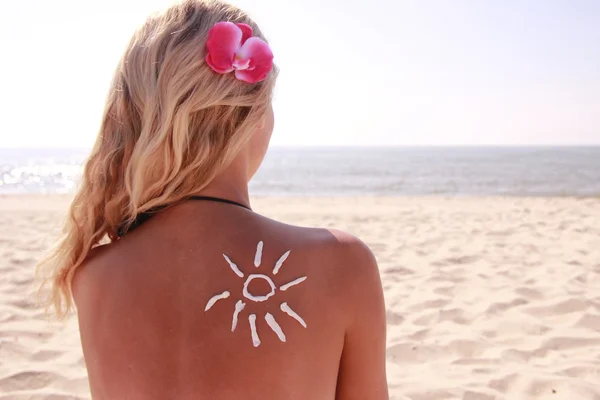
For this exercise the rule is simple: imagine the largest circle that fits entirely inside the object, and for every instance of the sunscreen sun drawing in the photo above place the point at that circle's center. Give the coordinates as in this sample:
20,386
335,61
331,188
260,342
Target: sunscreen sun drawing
240,305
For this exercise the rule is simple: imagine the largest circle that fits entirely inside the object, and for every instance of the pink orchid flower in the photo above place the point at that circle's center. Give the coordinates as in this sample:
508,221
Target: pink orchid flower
231,47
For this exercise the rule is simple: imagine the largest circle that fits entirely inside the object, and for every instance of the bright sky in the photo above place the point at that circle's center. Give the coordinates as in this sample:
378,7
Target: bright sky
376,72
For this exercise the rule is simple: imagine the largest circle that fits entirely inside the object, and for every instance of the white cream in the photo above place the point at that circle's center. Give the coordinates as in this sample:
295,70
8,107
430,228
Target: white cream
252,297
275,326
216,298
255,338
234,267
285,287
258,256
286,309
239,306
279,262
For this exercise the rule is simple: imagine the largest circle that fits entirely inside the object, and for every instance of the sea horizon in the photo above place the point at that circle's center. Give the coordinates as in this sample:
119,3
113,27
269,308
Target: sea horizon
469,170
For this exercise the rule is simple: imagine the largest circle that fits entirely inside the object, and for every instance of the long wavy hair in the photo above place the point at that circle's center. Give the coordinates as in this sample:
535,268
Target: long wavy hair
169,126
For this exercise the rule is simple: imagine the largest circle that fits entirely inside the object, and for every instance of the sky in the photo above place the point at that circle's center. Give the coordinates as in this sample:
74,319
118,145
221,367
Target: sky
377,72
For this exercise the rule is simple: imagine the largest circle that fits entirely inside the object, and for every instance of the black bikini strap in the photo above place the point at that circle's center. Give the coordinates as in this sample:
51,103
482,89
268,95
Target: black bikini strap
220,200
143,217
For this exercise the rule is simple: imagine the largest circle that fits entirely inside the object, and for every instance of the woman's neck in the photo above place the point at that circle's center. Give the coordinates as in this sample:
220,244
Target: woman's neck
231,184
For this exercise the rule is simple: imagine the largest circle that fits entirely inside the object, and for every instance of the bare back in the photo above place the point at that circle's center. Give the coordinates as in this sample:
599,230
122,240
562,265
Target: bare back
212,301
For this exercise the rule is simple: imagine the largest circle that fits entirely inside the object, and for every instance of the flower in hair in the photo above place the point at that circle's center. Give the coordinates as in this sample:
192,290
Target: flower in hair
231,47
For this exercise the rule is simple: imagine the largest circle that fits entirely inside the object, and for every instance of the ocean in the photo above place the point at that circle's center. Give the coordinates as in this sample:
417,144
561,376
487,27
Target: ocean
391,171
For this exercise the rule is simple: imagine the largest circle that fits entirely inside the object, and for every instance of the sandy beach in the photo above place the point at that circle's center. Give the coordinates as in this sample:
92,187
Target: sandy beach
487,298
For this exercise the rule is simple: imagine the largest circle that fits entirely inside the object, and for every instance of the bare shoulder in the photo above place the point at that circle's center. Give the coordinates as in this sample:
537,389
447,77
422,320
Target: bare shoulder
87,277
345,258
348,246
356,268
350,255
356,263
341,250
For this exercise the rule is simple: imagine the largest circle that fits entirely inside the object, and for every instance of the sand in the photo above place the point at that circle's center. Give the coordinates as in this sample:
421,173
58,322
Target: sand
487,298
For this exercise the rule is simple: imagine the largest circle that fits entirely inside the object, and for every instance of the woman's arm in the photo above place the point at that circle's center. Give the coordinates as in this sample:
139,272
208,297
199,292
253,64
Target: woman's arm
362,372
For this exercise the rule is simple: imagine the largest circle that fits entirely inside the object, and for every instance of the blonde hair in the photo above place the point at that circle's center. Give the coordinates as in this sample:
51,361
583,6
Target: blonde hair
170,124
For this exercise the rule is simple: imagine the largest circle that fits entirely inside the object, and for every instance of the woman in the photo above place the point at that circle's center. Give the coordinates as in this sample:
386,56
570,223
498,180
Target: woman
195,296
